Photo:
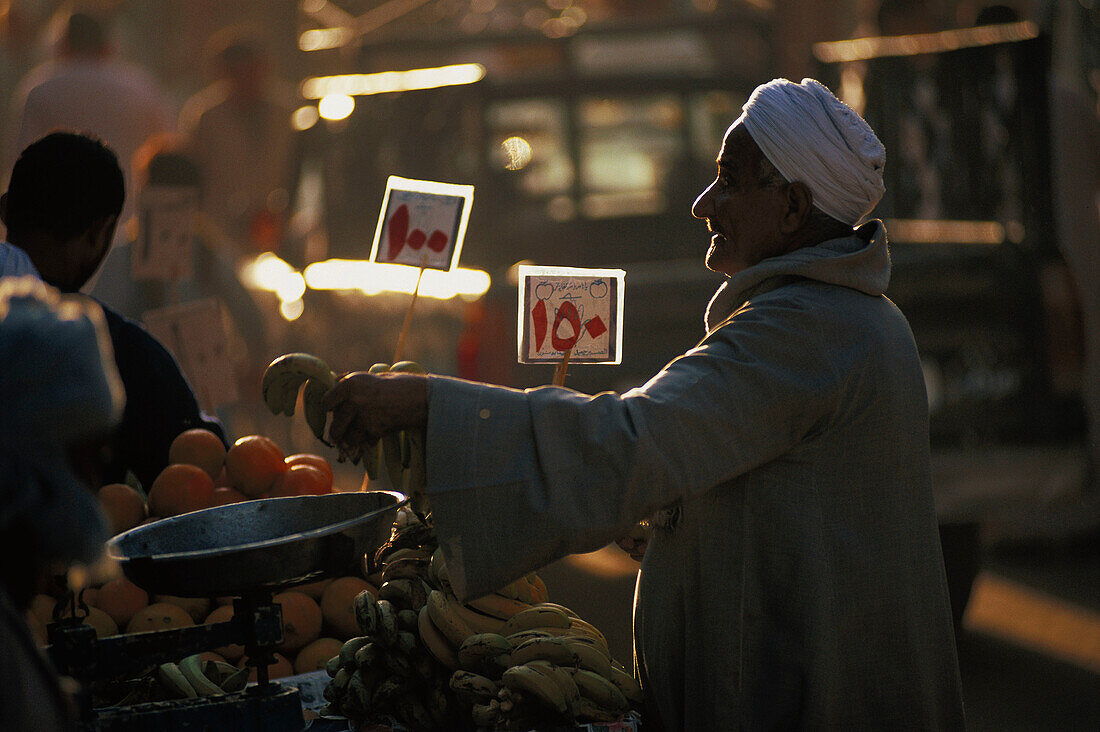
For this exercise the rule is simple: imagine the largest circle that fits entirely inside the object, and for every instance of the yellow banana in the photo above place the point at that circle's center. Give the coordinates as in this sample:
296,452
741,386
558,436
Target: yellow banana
537,616
600,690
436,643
482,647
559,676
472,686
174,682
442,612
589,657
554,650
405,568
498,606
536,685
518,591
628,685
556,606
191,668
478,622
525,635
585,628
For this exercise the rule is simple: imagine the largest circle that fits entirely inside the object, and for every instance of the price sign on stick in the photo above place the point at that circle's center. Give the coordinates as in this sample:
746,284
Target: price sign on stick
195,334
570,314
163,250
422,223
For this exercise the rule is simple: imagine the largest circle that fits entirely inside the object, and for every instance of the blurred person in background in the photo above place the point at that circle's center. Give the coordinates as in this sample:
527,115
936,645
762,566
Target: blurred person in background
61,208
61,396
87,88
162,163
239,132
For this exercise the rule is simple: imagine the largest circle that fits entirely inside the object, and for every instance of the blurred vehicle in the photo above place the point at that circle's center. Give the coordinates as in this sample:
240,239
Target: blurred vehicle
585,150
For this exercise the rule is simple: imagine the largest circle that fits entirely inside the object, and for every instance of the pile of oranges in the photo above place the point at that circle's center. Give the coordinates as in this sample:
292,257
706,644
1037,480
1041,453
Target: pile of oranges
317,617
203,474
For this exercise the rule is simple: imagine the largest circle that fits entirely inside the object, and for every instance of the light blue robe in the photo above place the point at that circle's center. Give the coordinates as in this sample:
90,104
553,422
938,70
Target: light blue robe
800,583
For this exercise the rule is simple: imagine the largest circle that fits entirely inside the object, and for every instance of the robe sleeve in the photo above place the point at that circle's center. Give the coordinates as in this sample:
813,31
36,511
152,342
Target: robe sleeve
518,479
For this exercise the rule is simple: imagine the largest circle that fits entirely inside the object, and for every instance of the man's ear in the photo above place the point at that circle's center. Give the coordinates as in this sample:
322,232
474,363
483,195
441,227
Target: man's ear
101,233
800,201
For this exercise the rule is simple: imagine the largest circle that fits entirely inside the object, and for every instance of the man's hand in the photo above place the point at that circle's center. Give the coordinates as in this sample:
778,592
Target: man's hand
366,406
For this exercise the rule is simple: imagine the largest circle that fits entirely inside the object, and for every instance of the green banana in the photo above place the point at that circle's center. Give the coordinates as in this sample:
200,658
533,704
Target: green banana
387,623
174,682
192,669
237,681
600,690
628,685
285,376
315,414
473,687
349,649
482,647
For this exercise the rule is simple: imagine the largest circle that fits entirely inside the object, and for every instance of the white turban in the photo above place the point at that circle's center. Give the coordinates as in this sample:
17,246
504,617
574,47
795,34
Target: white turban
811,136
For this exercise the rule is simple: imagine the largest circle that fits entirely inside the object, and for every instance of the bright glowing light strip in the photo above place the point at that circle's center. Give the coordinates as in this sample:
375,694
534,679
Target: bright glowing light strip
860,49
392,81
371,278
932,231
322,39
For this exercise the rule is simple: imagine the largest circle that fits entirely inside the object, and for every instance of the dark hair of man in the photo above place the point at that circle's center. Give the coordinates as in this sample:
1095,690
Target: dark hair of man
62,184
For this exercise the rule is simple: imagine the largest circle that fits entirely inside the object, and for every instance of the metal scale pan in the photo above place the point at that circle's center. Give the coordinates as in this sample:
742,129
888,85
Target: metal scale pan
256,546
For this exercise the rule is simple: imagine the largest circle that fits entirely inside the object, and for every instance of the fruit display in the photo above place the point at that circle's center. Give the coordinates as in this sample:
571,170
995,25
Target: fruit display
400,454
509,660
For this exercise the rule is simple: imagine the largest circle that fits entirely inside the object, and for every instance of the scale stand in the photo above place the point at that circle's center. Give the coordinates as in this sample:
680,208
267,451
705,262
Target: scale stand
256,623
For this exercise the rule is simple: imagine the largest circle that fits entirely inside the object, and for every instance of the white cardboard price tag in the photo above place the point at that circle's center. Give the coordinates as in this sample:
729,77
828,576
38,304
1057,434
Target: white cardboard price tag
163,250
422,223
195,334
570,309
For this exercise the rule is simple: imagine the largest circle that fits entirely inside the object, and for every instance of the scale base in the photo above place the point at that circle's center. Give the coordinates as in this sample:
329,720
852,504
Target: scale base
278,710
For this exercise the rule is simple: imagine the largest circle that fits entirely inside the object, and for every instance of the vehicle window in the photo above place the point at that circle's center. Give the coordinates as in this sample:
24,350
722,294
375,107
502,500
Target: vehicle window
628,148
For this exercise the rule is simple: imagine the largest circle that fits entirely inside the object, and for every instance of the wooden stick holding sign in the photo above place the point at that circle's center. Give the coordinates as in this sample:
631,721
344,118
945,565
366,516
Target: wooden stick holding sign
422,224
570,315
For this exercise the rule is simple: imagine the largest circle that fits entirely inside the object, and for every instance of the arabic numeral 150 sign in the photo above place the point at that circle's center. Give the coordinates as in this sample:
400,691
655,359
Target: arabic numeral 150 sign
568,309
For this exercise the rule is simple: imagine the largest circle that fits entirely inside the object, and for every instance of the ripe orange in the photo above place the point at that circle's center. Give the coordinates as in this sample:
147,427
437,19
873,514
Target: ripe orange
221,614
282,667
121,599
301,621
180,488
198,447
253,464
224,495
338,608
314,589
159,616
302,480
123,506
308,458
196,607
314,656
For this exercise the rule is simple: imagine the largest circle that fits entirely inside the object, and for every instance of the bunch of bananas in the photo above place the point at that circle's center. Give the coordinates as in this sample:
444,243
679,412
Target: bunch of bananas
285,377
401,454
189,678
544,663
505,660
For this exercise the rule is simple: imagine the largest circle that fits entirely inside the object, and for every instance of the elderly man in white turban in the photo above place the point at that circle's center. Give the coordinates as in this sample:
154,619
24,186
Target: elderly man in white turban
795,580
